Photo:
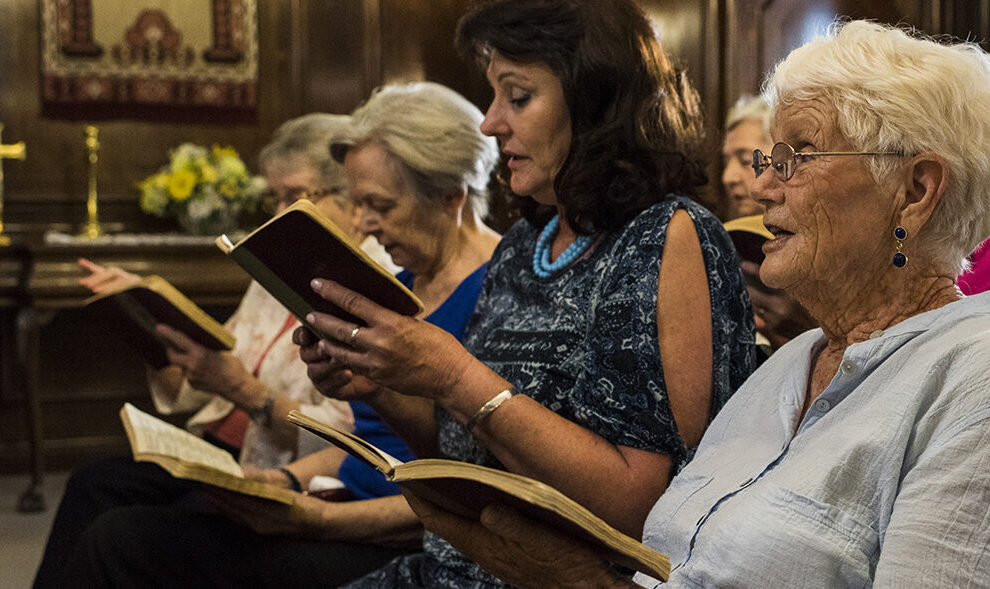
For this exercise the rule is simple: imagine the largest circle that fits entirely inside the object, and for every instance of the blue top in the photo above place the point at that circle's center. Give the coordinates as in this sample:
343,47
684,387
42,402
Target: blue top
583,343
885,481
452,316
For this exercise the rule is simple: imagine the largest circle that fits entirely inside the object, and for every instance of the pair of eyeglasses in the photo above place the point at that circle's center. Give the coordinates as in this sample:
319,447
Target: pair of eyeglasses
784,159
314,196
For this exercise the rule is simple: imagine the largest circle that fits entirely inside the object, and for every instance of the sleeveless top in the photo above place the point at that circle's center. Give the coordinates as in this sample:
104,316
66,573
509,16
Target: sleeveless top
451,316
584,344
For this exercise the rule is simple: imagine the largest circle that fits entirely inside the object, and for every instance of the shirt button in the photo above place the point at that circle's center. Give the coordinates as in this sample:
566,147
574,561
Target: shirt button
848,366
822,405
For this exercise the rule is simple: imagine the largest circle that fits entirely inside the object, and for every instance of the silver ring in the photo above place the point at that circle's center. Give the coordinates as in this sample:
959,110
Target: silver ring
354,332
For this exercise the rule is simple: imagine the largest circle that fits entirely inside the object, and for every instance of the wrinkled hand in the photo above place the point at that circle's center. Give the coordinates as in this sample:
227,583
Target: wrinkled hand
105,278
303,518
520,550
404,354
778,316
331,377
205,369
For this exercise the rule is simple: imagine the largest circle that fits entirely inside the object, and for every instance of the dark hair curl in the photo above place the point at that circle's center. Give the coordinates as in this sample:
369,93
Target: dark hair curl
635,120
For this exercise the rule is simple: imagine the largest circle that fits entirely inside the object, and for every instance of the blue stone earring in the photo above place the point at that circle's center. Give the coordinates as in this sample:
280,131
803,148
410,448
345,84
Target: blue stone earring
900,260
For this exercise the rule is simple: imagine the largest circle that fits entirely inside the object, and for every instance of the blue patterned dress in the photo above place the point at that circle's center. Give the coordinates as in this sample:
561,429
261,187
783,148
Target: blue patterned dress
584,344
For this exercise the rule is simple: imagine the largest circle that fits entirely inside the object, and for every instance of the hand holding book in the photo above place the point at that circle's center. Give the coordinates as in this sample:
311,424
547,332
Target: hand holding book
134,307
330,376
303,518
462,492
520,550
404,354
209,370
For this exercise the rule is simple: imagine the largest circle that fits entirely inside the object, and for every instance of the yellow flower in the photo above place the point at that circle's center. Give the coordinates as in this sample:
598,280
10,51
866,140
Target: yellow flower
181,184
208,173
222,152
228,189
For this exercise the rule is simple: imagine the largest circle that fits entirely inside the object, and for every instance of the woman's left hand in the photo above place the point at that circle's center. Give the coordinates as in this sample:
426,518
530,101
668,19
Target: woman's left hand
205,369
520,550
330,376
402,353
266,517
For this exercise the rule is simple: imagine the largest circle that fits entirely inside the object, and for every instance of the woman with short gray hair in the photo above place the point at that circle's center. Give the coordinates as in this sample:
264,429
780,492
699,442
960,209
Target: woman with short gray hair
432,134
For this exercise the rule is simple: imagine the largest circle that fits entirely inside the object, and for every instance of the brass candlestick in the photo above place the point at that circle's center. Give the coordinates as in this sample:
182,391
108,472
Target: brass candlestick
92,229
16,151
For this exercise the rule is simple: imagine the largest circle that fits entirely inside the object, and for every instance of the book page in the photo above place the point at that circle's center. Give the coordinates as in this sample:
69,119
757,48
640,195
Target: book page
348,442
150,435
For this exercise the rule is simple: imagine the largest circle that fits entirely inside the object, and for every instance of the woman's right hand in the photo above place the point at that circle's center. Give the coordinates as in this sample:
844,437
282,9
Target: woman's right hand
520,550
331,377
105,278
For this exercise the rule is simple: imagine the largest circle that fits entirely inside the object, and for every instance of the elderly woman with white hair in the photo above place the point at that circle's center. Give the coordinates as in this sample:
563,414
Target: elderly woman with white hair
747,128
858,454
417,174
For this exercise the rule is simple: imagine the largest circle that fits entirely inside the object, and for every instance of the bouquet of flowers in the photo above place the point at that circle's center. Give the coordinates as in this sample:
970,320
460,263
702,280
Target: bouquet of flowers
204,189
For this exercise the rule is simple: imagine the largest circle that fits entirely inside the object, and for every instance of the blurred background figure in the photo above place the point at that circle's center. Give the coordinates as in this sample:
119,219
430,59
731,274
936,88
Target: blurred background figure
747,127
779,318
297,164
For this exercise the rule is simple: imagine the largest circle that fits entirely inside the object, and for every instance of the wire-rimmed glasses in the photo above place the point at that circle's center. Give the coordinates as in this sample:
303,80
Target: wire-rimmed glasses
275,199
784,159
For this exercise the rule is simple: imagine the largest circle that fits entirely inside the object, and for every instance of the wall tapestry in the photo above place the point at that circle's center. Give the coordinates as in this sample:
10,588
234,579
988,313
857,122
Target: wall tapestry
176,60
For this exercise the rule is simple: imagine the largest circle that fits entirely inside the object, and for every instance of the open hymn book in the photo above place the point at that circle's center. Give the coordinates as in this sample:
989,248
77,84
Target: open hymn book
465,489
133,311
186,456
300,244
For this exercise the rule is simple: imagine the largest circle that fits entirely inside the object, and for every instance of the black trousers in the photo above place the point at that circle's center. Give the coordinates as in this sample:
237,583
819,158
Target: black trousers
130,524
165,547
102,487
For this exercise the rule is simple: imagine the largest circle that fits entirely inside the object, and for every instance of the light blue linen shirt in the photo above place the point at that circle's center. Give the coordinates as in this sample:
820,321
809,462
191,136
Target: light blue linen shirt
886,479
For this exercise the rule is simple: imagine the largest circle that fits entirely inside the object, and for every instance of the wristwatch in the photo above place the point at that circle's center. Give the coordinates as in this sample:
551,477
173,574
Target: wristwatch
262,414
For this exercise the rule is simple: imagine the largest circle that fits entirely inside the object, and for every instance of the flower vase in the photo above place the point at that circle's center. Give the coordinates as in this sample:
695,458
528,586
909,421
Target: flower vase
216,222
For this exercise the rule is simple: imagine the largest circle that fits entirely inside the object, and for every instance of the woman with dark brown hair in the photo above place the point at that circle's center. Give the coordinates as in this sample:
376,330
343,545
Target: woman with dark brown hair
613,322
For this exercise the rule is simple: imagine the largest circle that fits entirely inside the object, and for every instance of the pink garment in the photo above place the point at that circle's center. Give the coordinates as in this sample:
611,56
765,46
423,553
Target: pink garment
977,278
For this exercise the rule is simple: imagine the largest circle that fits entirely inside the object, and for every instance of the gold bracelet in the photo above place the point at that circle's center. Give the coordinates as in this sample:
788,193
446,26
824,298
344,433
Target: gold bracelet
489,407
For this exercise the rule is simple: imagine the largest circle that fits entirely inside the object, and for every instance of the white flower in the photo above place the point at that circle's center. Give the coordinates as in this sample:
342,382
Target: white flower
205,204
184,155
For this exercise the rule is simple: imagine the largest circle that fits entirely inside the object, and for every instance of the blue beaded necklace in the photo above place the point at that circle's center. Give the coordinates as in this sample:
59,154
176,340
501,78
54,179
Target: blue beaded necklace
542,265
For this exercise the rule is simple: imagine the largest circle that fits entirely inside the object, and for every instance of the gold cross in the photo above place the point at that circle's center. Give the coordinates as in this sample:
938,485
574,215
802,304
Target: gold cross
16,151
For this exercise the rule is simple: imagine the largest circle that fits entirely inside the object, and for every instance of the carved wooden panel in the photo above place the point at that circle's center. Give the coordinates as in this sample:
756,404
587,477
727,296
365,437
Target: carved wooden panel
102,59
